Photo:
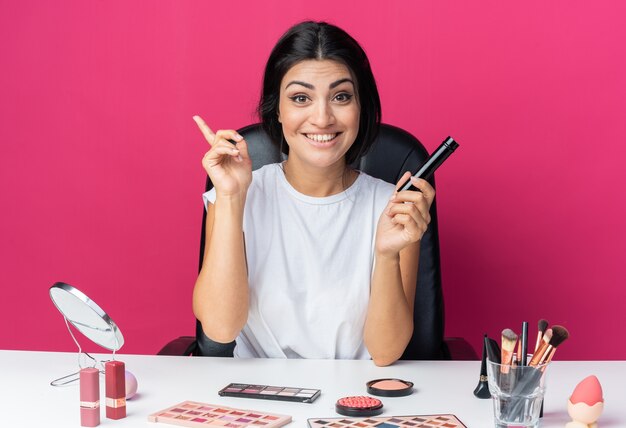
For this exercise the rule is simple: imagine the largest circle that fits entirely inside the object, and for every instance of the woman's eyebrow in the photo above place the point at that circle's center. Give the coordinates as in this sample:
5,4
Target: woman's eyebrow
297,82
309,86
339,82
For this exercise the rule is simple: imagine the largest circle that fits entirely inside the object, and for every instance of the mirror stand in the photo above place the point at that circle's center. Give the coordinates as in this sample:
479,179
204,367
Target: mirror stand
88,318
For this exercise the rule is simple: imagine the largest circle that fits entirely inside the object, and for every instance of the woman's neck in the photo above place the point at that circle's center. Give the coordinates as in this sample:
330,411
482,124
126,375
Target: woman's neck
319,182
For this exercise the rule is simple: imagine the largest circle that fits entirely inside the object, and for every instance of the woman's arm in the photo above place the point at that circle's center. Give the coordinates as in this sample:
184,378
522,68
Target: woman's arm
389,322
220,295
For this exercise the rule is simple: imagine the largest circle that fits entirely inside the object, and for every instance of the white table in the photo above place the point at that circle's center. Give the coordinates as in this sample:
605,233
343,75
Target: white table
27,399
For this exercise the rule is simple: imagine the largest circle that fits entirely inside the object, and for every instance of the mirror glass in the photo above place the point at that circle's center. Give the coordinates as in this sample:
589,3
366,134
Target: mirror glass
88,318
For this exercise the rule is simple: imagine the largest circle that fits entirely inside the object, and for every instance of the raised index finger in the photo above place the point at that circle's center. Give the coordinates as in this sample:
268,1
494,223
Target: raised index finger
204,128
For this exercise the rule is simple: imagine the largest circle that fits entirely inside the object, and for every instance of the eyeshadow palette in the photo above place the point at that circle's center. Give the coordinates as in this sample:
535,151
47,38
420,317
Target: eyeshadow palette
194,414
266,392
414,421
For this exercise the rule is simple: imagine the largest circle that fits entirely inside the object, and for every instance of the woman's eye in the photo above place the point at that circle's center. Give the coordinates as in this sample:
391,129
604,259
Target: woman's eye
299,99
343,97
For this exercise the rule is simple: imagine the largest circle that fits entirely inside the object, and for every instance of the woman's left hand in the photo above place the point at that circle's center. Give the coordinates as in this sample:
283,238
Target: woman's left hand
405,218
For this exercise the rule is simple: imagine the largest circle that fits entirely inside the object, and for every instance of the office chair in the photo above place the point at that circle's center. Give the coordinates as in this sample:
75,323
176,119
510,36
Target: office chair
394,152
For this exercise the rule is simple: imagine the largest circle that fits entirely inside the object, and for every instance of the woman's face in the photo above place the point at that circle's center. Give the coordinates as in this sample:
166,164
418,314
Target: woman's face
319,112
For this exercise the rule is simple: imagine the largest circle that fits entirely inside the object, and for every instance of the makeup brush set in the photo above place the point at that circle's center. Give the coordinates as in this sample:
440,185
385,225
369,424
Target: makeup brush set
516,373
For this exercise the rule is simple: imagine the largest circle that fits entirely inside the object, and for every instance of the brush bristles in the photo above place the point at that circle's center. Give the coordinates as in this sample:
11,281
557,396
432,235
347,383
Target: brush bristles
542,325
559,335
509,338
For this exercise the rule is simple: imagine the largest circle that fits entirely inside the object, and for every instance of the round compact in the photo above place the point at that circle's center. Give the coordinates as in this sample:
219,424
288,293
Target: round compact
359,406
390,387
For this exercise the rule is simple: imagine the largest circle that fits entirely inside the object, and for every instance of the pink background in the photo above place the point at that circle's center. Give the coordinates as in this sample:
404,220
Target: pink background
100,159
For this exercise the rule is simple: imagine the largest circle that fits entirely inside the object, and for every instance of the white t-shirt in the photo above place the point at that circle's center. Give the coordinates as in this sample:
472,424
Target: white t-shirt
310,264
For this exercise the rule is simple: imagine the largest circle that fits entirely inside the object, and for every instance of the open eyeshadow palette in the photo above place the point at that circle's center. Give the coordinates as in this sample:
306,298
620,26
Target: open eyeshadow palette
194,414
414,421
266,392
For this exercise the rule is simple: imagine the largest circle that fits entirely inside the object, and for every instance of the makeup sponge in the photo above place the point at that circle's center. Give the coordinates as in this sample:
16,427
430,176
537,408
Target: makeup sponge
586,403
131,385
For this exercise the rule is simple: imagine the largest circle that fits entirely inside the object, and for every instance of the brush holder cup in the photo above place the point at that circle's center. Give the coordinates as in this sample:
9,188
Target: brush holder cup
517,393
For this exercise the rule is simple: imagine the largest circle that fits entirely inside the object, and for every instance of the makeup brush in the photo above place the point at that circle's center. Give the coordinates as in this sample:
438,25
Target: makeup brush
542,325
524,344
538,355
559,335
509,339
493,350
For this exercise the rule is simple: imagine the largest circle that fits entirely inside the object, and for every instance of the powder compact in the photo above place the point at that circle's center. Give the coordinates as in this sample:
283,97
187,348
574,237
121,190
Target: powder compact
359,406
390,387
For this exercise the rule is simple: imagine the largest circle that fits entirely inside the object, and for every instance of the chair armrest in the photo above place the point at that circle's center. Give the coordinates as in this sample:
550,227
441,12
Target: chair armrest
184,345
457,348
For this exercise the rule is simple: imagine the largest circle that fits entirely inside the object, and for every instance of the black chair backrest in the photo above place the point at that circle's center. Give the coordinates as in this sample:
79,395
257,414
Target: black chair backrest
395,152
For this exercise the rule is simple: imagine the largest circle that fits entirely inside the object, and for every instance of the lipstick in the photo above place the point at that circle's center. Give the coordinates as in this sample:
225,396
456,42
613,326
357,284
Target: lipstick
115,385
89,397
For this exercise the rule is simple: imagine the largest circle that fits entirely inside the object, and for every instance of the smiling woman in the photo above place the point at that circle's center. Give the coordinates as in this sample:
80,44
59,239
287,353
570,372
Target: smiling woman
310,258
319,114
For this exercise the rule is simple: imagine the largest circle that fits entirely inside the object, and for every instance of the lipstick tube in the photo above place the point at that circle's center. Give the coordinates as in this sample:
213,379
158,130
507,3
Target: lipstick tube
90,397
115,385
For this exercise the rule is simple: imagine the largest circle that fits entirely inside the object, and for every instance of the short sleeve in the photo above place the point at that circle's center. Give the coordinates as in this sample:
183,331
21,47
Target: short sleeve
208,197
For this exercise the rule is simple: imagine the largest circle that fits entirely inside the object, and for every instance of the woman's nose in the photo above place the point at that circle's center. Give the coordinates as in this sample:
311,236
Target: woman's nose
322,115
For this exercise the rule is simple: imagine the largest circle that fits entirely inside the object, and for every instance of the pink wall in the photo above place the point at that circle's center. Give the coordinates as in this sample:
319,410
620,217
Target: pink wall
100,159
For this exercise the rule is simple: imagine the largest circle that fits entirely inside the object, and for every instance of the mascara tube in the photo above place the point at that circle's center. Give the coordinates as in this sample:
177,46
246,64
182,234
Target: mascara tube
433,162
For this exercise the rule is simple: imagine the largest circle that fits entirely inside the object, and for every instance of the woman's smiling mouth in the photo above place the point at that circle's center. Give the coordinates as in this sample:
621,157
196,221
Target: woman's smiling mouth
323,140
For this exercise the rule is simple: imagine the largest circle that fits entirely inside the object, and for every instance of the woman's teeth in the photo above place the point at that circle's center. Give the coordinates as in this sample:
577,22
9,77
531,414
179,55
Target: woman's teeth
321,138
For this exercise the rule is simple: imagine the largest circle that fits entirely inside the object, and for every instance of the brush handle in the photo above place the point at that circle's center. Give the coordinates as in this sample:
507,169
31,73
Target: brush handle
524,342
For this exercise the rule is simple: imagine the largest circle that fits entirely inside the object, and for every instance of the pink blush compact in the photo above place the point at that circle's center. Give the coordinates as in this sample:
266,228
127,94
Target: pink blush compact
359,406
390,387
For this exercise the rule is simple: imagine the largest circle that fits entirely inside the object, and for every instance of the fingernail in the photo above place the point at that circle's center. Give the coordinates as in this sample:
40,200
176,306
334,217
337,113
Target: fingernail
392,197
239,158
195,117
233,151
238,137
414,179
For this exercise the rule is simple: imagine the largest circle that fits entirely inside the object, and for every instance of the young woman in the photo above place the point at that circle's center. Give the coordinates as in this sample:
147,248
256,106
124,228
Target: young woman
310,258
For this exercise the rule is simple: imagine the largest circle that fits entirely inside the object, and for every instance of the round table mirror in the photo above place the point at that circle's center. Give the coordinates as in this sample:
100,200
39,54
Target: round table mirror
88,318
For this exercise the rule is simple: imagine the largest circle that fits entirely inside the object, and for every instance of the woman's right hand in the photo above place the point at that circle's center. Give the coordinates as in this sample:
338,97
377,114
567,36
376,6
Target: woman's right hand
228,166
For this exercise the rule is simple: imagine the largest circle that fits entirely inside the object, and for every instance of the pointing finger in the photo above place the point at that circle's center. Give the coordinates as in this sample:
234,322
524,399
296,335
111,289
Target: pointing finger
204,128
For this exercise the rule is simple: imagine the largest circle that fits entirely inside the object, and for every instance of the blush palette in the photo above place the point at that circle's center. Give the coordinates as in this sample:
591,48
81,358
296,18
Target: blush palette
266,392
414,421
194,414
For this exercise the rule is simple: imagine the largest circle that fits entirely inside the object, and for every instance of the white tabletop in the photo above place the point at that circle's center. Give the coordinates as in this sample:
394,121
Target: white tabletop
28,400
